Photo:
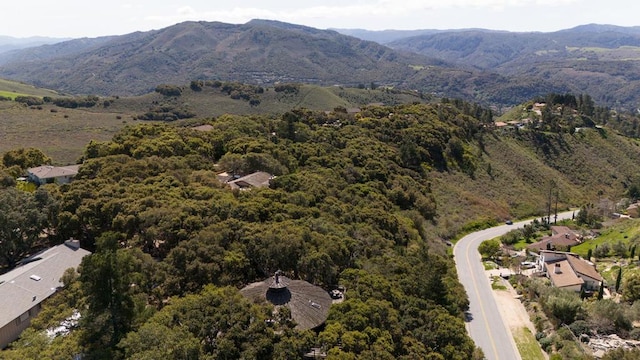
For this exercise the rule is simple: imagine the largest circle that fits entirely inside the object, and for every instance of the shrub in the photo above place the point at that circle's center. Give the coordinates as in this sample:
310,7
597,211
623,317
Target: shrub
545,343
601,251
196,85
580,327
169,90
287,88
72,103
29,100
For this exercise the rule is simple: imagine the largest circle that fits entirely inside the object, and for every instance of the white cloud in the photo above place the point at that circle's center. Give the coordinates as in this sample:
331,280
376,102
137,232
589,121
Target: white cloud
330,15
378,8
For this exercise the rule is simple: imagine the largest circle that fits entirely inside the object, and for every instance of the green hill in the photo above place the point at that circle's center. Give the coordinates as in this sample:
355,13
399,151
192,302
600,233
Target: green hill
11,89
63,132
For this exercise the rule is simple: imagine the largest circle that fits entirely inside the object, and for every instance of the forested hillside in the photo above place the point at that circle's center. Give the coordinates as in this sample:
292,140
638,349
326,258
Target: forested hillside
260,52
359,200
601,60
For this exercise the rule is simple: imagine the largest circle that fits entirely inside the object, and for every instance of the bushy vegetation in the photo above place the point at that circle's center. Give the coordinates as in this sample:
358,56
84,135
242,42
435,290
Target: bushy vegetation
167,112
348,208
567,317
29,100
169,90
360,200
74,102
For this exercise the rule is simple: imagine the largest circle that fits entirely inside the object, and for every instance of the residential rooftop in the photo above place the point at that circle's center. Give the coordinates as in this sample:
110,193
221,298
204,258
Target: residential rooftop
27,285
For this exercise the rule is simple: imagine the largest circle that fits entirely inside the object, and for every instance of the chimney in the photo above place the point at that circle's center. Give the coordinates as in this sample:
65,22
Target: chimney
557,269
73,244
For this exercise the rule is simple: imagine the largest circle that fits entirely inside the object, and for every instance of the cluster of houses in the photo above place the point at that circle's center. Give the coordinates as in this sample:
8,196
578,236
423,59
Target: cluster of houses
48,174
23,289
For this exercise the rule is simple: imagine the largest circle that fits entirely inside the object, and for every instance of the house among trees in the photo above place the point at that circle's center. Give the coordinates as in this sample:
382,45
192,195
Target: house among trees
568,271
23,289
48,174
309,304
634,210
561,238
257,179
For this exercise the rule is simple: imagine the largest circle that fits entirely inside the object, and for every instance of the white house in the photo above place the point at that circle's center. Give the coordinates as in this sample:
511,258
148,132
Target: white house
568,271
24,288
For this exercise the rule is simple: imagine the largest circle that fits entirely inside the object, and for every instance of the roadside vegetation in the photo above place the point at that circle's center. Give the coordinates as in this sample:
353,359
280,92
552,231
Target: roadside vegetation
527,345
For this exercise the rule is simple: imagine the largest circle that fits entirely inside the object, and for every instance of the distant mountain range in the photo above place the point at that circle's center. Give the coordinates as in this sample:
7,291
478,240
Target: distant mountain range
256,52
491,67
8,43
602,60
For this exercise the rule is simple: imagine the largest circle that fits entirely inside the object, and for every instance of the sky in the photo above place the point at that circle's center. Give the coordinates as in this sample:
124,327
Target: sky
85,18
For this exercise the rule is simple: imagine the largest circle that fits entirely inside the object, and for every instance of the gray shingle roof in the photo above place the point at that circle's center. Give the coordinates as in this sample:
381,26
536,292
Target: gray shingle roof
27,285
256,179
309,304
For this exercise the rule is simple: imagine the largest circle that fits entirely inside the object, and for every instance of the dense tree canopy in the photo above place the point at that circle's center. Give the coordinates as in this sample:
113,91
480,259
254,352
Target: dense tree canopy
23,218
350,205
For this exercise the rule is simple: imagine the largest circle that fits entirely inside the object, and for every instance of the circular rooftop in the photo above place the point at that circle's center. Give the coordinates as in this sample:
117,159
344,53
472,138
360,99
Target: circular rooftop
309,304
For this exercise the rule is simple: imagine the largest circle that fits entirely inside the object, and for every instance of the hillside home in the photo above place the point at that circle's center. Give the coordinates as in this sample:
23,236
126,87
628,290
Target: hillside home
23,289
634,210
48,174
561,238
568,271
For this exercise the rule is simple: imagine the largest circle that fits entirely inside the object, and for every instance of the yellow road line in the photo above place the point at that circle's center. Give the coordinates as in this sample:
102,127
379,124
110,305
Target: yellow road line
484,315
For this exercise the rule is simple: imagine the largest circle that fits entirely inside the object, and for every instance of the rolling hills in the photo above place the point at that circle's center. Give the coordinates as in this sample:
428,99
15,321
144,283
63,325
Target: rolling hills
64,132
258,52
601,60
496,68
8,43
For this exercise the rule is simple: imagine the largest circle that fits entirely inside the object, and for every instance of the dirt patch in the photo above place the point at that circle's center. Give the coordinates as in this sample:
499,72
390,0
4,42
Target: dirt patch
512,310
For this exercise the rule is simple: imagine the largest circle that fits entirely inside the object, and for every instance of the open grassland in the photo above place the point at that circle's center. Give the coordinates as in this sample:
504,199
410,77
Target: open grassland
211,102
626,231
11,89
527,344
9,94
62,135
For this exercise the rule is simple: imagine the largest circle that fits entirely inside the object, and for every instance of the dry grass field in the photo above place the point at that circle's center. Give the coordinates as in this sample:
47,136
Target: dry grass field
61,134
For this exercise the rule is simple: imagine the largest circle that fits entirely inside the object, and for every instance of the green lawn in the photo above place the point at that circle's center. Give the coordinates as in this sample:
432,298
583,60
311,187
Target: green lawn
626,230
527,345
9,94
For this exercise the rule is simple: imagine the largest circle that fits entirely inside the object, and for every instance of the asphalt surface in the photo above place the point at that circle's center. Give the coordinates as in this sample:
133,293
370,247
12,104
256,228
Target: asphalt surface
484,322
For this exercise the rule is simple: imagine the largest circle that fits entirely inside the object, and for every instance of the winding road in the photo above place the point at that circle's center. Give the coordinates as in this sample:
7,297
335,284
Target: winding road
485,324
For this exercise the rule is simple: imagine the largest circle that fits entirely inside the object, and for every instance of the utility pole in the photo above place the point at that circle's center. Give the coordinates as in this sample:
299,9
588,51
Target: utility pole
549,204
555,219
